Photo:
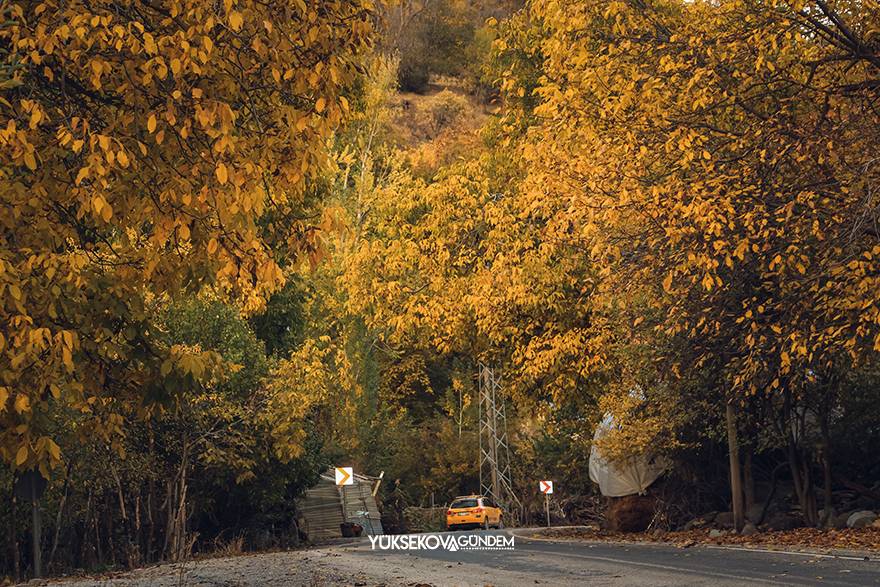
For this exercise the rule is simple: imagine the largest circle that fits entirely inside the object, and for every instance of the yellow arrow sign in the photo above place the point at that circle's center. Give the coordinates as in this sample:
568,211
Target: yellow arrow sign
344,476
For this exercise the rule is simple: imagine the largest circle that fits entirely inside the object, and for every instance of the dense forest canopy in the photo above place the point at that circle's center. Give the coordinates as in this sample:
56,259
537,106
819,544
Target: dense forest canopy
245,240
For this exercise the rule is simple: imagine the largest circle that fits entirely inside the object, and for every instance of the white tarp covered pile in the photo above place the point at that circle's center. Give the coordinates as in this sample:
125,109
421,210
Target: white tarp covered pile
618,480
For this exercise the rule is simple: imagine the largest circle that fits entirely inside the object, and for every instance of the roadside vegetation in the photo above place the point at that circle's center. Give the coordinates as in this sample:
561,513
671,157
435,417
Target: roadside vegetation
244,242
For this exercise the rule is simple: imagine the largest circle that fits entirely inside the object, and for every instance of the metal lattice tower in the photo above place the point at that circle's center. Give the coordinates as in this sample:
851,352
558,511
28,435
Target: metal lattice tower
495,479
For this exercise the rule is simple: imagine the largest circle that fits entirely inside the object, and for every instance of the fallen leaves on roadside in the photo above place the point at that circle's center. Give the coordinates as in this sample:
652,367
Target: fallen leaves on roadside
847,539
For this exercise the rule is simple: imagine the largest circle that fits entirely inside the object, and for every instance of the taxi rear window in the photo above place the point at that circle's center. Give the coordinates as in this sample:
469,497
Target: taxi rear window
463,503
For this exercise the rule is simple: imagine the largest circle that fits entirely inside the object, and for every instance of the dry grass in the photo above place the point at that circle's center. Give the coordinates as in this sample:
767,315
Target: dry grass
436,128
233,546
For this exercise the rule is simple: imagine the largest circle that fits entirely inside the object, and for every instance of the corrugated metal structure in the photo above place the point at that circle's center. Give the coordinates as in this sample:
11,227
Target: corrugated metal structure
326,506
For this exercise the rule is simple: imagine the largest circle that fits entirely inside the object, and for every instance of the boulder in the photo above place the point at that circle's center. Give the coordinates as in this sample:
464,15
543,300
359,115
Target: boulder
724,519
715,533
839,521
781,521
876,523
632,513
695,523
753,513
749,529
861,519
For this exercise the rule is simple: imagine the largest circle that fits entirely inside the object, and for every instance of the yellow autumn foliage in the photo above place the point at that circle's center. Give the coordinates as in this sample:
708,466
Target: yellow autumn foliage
142,147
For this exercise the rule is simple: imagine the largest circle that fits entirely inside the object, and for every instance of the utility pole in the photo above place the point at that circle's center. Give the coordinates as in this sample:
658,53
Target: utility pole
495,481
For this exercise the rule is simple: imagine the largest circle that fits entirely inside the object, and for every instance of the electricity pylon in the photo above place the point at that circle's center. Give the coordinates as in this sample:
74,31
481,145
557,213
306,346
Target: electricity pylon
495,479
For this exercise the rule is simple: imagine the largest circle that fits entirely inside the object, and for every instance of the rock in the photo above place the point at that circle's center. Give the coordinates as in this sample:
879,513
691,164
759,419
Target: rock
709,517
632,513
781,521
724,519
695,523
753,513
749,529
715,533
876,523
861,519
839,521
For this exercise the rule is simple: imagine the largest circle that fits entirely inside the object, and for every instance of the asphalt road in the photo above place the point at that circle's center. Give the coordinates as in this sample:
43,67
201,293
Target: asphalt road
577,563
531,562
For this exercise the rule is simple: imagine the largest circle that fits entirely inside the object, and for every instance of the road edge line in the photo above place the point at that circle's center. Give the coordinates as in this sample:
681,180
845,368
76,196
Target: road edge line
519,533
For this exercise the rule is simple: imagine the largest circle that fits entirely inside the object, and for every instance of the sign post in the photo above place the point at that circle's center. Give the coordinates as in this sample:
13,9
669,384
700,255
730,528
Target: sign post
546,488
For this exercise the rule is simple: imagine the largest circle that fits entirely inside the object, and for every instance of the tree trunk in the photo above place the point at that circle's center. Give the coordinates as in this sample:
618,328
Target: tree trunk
97,523
736,489
801,473
59,517
84,535
175,530
170,499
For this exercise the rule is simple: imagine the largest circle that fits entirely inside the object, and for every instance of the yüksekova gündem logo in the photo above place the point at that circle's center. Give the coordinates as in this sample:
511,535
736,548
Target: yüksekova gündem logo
449,542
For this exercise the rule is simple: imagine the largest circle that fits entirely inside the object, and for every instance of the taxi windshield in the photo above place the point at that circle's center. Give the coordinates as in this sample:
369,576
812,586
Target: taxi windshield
463,503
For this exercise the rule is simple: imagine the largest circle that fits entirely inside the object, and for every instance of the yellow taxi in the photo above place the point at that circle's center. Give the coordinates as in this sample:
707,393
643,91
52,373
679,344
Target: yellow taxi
473,511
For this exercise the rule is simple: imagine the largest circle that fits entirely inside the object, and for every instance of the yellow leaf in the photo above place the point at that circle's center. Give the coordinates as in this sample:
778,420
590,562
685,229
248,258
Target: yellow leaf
30,160
320,105
21,456
151,123
667,283
22,403
235,20
222,173
54,449
67,358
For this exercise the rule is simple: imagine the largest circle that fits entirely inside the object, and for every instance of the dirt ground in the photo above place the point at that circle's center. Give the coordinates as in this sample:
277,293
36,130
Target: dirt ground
315,567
